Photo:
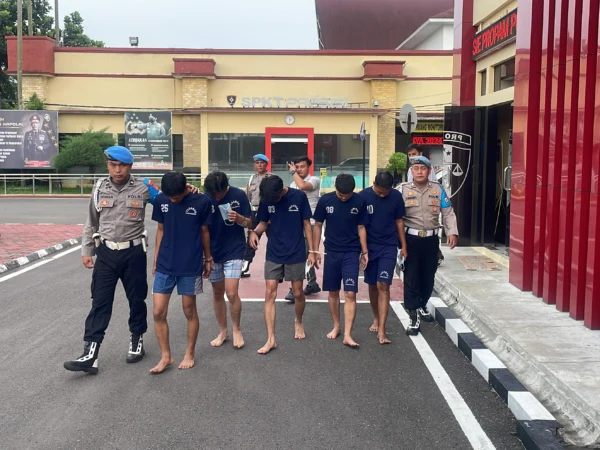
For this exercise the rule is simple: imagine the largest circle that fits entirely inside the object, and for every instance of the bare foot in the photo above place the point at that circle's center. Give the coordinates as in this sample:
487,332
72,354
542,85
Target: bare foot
238,339
375,327
267,348
162,365
351,342
220,339
383,339
299,331
187,363
334,333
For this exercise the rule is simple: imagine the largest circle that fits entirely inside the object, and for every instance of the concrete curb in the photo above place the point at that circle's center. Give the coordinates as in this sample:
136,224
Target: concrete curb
581,425
537,427
35,256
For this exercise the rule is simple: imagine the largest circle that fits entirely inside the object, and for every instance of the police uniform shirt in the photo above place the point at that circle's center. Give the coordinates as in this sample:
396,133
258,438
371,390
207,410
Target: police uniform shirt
383,213
228,239
286,229
117,212
423,207
343,219
252,188
181,251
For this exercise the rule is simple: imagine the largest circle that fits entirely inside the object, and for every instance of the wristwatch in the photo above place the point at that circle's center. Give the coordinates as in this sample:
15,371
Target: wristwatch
292,172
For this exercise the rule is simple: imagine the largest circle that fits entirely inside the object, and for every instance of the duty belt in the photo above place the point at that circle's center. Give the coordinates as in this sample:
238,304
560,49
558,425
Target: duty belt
122,245
420,233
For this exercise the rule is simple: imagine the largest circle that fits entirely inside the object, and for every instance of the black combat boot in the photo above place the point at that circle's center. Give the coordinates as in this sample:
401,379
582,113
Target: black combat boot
415,323
88,361
424,314
136,348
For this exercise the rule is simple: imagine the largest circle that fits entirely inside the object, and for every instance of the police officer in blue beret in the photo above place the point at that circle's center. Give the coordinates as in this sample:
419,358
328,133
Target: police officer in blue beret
114,232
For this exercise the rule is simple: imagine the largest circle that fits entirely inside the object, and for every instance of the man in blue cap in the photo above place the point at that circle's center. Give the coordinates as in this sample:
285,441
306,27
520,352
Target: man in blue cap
114,232
252,191
424,200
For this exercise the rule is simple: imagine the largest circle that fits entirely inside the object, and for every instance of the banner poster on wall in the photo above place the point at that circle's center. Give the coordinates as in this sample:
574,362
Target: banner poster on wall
148,137
28,139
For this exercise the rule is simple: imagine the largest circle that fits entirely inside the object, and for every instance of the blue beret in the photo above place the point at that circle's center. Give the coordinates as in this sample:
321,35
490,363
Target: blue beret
260,157
118,153
420,160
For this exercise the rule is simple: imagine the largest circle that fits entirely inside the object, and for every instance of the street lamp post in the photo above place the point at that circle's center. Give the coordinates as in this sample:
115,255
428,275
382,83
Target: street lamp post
56,25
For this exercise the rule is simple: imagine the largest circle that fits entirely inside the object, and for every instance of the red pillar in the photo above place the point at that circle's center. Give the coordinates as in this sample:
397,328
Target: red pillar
583,157
525,142
464,68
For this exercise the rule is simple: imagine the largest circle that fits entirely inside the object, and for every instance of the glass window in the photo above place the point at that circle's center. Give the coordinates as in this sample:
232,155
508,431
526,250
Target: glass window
178,151
504,75
483,79
232,154
340,153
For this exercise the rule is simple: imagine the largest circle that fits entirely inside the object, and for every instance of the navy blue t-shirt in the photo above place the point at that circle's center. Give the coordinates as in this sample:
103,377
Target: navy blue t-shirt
181,250
228,239
286,230
343,219
383,213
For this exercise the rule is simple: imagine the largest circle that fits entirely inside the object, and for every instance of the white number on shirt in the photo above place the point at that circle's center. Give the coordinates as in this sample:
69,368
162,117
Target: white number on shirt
164,208
271,209
370,209
329,209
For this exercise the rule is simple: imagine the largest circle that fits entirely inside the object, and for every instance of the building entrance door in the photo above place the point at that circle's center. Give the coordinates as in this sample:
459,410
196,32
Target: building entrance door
282,145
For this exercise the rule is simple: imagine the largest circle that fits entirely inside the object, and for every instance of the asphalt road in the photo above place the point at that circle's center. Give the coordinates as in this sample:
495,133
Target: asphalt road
306,394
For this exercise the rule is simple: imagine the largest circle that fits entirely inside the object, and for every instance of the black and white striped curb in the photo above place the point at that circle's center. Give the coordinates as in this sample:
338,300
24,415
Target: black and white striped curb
35,256
537,427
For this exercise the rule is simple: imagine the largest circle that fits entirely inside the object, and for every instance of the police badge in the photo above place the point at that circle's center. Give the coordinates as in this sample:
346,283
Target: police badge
231,100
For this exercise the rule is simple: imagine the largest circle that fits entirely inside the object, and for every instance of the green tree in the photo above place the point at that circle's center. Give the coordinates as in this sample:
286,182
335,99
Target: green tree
397,163
34,103
86,149
73,35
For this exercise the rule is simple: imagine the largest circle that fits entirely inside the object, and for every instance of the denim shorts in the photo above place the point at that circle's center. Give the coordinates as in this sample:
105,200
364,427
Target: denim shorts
165,284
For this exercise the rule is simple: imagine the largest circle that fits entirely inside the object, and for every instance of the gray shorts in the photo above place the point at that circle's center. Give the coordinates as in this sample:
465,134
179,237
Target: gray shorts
292,272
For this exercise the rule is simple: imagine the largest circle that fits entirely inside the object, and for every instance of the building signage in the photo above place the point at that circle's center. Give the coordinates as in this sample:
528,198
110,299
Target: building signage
429,127
148,136
497,35
428,140
289,102
28,139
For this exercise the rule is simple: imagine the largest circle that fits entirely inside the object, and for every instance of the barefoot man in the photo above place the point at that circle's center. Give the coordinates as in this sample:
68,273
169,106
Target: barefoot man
345,246
287,214
181,239
231,214
385,207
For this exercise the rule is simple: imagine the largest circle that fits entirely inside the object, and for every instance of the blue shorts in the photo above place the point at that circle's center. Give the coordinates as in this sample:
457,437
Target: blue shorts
382,263
165,284
341,268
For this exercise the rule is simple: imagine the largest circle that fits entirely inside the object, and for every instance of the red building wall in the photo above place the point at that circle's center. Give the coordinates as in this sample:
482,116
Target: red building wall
555,197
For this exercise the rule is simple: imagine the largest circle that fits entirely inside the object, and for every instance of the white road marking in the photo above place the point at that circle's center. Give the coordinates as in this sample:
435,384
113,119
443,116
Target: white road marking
38,264
464,416
282,300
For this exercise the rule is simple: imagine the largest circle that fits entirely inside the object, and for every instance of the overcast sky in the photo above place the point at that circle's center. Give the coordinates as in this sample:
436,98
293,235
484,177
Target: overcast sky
259,24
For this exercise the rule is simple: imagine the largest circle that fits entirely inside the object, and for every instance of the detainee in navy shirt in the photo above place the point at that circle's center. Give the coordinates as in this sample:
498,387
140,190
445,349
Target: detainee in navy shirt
286,212
227,246
345,245
385,207
181,250
286,226
227,239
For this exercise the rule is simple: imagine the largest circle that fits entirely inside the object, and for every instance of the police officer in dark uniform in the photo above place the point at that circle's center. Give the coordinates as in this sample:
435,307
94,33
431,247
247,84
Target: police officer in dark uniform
114,232
36,143
424,200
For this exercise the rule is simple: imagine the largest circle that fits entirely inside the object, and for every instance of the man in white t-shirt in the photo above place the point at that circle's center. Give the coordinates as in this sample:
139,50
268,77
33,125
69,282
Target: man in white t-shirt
311,185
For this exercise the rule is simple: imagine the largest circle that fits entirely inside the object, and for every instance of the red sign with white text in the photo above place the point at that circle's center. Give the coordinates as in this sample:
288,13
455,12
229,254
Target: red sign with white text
495,36
428,140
